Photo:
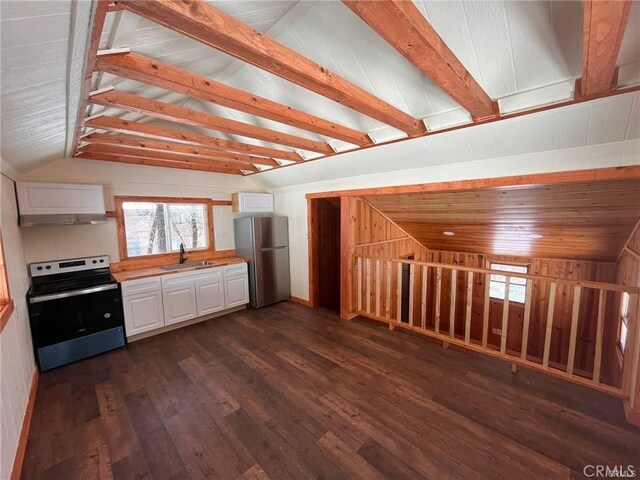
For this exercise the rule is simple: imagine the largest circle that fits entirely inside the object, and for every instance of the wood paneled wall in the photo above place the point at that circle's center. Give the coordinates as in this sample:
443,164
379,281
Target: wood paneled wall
372,234
628,273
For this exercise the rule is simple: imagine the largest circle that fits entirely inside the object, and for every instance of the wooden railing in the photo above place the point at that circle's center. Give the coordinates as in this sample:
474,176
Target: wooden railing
593,306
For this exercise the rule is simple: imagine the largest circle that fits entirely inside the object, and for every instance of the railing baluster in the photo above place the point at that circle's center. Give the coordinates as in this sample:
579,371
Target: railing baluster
527,318
597,362
452,304
368,293
378,299
399,294
485,311
423,322
505,316
573,338
387,303
359,273
411,286
467,327
438,294
549,329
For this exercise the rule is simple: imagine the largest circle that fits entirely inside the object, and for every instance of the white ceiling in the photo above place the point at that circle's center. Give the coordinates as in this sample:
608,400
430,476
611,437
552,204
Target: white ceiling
512,48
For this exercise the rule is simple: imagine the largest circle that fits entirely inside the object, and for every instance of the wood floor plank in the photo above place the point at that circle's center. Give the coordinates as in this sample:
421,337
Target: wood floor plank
288,392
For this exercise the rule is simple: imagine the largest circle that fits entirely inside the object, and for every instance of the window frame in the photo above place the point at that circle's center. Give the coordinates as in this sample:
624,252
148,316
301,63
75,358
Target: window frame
491,261
163,258
6,302
624,320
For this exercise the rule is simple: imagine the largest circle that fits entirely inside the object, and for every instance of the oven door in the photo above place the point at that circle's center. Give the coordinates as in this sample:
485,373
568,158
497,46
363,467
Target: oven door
63,316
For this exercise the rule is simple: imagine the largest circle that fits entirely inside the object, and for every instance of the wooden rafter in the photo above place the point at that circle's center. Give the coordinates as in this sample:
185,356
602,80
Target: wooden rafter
604,25
156,163
206,24
99,17
401,24
151,145
171,156
187,116
152,72
153,131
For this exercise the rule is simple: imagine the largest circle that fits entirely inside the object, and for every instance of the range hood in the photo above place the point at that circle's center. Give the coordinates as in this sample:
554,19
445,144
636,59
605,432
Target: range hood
51,204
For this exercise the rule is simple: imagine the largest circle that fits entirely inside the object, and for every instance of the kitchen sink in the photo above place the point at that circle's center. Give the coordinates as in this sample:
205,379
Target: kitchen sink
187,265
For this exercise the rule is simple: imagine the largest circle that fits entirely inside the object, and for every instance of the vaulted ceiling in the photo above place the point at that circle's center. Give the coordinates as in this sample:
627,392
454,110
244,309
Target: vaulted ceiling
246,86
583,220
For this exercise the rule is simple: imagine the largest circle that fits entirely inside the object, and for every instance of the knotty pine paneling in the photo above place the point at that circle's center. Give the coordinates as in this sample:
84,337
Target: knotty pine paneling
627,273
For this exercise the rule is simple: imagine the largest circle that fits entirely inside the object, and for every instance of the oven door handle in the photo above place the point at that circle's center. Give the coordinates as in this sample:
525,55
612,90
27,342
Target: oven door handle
73,293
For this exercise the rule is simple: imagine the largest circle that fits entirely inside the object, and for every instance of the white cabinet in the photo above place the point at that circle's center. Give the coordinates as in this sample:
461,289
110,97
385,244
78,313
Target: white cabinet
210,296
179,299
236,290
142,304
248,202
236,285
143,312
59,198
155,302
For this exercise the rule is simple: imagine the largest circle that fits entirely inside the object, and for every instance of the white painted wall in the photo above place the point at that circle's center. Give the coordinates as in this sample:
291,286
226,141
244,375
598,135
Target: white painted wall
49,243
16,353
290,201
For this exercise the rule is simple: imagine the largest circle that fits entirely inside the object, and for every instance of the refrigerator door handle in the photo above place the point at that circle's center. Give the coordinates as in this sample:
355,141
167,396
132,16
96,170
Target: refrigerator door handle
269,249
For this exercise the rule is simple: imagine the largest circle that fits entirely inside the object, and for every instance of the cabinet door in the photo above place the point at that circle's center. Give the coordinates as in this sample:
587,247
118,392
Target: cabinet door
143,312
210,296
179,303
236,291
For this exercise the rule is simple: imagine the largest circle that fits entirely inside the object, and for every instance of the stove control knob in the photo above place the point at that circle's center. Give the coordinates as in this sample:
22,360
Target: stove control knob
95,261
39,268
102,260
107,315
48,267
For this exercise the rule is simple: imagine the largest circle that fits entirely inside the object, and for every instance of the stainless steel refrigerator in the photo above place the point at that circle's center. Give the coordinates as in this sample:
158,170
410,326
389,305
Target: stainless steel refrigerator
265,242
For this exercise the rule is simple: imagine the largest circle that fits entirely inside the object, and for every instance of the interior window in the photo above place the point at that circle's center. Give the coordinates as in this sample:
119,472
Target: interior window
517,286
154,227
624,321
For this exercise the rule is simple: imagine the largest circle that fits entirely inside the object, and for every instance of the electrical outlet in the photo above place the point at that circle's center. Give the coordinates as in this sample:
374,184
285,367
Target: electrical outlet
496,331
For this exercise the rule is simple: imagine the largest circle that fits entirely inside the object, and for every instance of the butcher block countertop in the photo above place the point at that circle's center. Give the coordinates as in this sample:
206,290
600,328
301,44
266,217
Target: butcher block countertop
157,271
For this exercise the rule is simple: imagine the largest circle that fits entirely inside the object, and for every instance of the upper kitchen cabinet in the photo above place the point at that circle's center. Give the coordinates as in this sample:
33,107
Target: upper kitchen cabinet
60,204
248,202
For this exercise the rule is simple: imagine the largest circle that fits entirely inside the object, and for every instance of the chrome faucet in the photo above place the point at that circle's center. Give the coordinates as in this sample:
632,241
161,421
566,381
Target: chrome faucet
182,257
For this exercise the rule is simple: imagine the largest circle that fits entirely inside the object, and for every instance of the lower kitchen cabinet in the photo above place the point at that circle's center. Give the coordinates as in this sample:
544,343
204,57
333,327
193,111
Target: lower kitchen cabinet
143,312
156,302
210,296
236,291
179,303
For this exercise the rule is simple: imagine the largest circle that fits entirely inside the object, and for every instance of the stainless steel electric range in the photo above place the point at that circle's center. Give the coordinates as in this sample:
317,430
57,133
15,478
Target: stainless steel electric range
75,310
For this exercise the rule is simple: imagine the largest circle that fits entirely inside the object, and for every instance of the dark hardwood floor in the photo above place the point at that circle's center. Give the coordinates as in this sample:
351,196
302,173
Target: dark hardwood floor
292,393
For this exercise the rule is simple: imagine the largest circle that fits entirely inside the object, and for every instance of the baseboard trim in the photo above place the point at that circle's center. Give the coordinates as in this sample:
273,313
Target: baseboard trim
301,301
18,461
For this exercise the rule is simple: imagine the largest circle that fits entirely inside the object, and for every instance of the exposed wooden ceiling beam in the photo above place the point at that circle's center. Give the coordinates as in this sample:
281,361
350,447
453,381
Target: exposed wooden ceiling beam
158,155
146,144
156,163
186,116
401,24
152,72
99,17
152,131
204,23
604,25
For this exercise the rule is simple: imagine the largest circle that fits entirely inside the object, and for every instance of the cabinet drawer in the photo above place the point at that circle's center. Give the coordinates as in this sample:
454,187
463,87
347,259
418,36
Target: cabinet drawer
143,285
237,269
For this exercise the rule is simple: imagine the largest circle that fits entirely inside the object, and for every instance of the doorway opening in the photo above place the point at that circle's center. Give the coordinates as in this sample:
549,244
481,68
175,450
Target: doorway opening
404,309
324,242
